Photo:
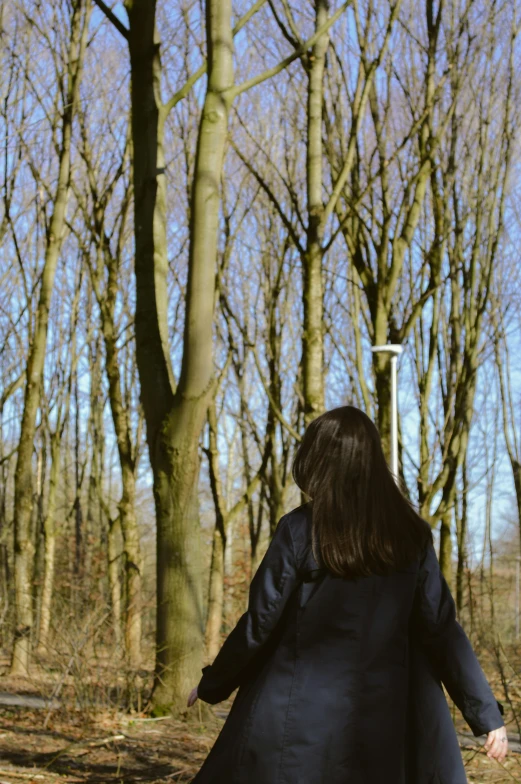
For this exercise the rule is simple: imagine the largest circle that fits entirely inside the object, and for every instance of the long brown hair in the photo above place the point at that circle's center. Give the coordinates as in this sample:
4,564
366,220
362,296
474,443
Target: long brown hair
362,523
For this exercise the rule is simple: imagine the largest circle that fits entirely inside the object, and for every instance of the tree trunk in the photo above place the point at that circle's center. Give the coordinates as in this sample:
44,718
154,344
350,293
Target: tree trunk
215,597
445,556
175,419
382,375
5,582
229,595
92,532
24,550
79,544
133,568
214,616
313,332
113,556
37,537
462,539
49,534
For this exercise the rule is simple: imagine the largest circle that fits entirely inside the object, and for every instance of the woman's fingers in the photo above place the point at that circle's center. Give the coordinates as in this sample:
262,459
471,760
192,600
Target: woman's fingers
497,744
192,697
493,749
491,743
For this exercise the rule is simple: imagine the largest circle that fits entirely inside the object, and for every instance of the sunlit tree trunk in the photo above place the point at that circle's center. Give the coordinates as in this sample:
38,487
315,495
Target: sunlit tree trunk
461,530
216,585
113,562
313,295
49,537
175,418
94,490
214,617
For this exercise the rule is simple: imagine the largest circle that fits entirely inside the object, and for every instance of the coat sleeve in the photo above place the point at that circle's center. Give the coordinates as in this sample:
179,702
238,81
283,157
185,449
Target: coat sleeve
274,581
448,647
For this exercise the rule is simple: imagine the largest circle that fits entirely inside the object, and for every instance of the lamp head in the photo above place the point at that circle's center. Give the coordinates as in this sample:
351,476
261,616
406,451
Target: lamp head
390,348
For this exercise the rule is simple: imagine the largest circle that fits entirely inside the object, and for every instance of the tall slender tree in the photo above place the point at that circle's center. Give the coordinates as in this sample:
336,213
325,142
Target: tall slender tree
24,549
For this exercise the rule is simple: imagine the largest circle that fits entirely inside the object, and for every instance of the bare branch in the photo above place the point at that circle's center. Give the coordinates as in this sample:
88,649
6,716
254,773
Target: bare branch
185,89
111,16
233,92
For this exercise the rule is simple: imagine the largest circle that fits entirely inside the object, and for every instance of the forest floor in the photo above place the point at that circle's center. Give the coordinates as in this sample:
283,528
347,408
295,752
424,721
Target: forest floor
73,746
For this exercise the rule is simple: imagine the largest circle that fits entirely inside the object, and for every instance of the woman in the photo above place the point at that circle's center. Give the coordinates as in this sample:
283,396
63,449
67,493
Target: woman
350,631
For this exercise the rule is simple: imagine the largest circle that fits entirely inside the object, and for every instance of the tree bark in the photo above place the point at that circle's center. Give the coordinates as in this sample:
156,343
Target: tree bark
214,617
96,427
313,295
445,555
37,534
133,568
461,530
49,534
113,556
175,419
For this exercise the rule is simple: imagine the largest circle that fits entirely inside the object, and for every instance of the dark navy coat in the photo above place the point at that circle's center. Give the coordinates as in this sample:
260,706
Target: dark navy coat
340,679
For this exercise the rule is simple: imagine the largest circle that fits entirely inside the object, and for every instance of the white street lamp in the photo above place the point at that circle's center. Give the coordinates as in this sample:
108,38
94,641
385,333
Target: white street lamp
393,349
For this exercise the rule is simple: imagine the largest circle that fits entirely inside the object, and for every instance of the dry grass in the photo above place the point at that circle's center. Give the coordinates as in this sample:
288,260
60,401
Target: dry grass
108,746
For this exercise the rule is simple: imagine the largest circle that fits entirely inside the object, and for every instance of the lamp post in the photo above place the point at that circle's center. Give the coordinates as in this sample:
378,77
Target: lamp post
393,349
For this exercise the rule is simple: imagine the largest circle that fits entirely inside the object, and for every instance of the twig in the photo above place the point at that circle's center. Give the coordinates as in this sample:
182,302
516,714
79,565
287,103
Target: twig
150,718
58,687
80,743
96,743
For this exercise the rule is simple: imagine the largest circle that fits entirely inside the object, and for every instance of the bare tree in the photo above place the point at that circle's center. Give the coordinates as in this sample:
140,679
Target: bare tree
469,195
78,26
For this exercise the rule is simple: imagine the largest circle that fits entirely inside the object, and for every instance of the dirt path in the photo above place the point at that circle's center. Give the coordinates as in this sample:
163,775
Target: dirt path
75,748
108,749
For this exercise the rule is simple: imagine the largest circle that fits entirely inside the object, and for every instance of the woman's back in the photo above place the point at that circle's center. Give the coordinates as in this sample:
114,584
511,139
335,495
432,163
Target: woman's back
323,668
350,625
336,679
366,615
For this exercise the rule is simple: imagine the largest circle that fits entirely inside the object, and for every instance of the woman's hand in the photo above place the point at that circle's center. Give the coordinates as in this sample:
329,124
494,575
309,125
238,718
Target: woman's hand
192,697
497,744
